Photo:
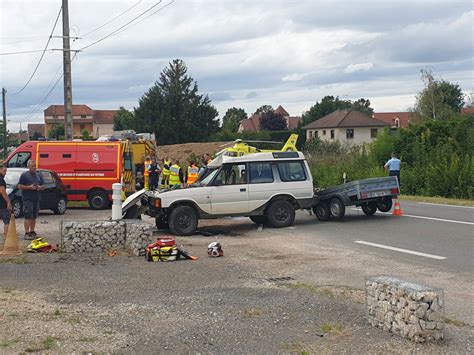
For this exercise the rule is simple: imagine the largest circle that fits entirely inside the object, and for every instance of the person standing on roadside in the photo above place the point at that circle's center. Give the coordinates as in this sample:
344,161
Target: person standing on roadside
31,184
393,167
154,174
5,204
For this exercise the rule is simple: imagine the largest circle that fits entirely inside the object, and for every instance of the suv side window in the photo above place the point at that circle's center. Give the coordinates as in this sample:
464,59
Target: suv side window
19,160
47,178
231,174
291,171
260,173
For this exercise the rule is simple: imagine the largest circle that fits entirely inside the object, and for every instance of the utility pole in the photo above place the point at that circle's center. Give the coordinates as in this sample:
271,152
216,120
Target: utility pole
68,124
4,105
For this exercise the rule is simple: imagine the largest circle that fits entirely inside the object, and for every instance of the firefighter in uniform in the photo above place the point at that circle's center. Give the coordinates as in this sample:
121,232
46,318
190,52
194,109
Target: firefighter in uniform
165,174
146,173
176,175
193,173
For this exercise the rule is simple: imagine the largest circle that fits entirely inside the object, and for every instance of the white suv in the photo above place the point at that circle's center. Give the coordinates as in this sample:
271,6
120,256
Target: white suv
267,187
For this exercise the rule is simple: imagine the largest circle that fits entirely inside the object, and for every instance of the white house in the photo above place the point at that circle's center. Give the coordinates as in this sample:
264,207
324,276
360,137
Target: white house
345,126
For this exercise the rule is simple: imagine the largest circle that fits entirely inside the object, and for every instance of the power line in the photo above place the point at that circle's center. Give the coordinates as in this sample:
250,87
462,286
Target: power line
42,55
121,27
113,19
23,52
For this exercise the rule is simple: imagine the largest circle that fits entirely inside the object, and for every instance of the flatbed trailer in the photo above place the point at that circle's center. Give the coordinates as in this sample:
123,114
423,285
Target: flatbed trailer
370,194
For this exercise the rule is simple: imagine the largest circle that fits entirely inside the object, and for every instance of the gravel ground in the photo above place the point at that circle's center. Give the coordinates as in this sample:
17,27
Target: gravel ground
269,293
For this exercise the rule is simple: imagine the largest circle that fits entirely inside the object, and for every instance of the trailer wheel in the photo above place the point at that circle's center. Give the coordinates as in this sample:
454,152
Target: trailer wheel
281,213
321,210
98,200
183,220
384,204
369,208
337,208
259,219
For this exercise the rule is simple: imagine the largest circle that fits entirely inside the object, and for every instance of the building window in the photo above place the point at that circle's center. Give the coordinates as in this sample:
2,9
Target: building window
373,132
324,132
82,126
316,134
310,135
55,117
350,133
83,116
397,122
332,134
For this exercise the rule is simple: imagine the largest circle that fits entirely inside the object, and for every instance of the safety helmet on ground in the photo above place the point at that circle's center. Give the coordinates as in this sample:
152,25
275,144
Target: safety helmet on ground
215,249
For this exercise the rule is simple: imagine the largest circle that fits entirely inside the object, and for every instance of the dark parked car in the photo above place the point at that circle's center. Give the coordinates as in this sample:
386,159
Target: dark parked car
53,197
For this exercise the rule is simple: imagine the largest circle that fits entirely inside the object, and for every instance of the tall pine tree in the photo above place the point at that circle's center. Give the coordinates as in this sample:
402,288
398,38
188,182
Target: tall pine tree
174,110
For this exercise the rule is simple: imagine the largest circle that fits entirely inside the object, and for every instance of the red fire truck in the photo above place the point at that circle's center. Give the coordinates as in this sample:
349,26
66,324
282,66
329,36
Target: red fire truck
88,169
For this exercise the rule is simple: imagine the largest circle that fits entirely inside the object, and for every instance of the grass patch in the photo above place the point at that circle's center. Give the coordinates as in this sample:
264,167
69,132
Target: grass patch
21,260
47,343
109,332
6,343
87,339
326,328
294,348
78,204
455,322
57,312
443,200
253,313
73,320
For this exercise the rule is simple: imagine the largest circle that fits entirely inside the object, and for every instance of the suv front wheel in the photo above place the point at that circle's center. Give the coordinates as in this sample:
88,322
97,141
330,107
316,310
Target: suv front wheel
281,213
183,220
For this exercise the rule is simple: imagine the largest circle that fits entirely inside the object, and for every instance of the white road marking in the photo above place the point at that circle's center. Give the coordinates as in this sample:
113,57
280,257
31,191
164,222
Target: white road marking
443,205
424,217
401,250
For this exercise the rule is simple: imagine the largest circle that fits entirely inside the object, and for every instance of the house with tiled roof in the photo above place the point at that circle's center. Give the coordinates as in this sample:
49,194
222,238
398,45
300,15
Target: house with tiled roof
395,119
96,122
345,126
252,124
35,130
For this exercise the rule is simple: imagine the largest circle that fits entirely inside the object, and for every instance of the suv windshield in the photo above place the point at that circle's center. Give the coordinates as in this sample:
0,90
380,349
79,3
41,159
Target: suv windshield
209,177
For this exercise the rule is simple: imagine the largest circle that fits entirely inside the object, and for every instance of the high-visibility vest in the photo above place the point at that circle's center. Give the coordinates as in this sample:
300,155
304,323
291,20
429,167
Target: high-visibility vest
193,173
174,175
165,170
146,166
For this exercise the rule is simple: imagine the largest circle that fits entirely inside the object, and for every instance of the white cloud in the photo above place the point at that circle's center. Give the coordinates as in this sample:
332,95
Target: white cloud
352,68
293,77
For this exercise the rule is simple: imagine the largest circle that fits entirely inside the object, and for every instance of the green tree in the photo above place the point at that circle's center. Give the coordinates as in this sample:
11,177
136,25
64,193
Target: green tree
85,134
264,109
174,110
36,136
271,121
57,132
123,120
363,105
232,118
439,99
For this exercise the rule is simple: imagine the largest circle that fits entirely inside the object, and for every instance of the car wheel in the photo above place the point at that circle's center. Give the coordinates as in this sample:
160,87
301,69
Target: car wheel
98,200
337,208
259,219
321,210
17,208
183,220
161,223
384,204
369,208
61,206
281,213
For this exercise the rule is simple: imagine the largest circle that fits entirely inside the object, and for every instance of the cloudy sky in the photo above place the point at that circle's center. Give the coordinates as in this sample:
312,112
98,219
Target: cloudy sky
242,53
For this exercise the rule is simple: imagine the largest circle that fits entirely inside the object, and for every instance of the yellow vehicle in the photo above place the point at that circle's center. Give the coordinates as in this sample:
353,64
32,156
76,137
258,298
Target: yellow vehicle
241,147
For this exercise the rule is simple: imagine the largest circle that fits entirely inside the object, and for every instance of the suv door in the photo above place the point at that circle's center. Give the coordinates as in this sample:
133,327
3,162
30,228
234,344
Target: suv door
49,196
262,185
229,190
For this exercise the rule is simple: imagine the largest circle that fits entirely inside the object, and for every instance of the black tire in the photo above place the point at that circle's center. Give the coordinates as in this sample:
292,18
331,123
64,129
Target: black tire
337,208
148,256
161,223
183,220
132,213
259,219
17,208
384,204
281,213
321,210
98,200
61,206
369,208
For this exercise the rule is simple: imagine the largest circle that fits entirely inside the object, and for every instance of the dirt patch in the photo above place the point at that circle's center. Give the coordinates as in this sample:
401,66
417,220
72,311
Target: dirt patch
184,152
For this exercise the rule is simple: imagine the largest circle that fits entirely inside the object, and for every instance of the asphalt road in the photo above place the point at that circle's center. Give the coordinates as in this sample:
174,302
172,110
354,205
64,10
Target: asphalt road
436,235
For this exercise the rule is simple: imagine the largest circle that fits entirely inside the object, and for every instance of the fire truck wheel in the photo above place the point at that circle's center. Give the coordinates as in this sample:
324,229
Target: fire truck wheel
98,200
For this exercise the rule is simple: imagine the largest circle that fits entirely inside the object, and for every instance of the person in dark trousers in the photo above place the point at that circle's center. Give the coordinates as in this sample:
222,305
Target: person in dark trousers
154,174
31,184
5,204
393,167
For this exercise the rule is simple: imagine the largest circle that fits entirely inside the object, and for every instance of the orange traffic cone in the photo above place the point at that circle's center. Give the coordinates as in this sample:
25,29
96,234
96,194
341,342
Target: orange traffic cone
11,246
397,211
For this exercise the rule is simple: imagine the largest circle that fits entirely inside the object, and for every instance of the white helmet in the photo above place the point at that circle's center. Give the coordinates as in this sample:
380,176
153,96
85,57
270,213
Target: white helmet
215,249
